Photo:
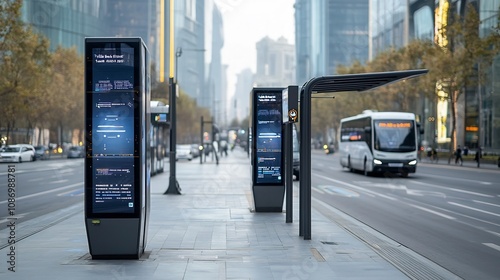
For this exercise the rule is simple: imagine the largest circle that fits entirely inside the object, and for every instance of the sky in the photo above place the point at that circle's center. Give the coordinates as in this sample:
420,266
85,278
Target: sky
245,23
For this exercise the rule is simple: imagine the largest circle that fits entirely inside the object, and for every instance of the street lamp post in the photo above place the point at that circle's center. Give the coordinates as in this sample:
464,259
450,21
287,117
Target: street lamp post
178,54
173,187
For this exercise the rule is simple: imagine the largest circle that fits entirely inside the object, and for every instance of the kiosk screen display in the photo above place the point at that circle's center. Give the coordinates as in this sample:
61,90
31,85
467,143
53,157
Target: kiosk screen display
268,141
113,143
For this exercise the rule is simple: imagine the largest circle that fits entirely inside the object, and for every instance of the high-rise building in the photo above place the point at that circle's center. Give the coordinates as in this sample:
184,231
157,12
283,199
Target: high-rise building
328,34
275,63
67,23
388,25
487,97
198,36
394,23
214,93
241,99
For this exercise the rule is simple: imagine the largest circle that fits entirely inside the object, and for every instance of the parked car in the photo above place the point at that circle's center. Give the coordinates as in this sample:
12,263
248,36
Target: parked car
183,152
18,153
76,152
42,152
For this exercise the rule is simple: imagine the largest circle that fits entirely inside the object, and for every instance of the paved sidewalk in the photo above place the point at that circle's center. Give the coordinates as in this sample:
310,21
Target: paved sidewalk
208,232
484,165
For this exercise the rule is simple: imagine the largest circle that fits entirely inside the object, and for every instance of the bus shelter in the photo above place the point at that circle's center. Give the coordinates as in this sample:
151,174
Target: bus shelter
331,84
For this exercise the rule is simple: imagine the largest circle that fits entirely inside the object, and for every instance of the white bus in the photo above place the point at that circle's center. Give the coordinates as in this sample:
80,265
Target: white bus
379,142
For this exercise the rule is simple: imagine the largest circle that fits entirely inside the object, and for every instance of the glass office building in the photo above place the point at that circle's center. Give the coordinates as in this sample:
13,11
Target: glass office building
394,23
66,23
329,33
488,98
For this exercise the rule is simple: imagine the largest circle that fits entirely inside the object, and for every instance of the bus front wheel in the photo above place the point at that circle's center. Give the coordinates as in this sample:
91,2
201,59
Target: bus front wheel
365,171
349,164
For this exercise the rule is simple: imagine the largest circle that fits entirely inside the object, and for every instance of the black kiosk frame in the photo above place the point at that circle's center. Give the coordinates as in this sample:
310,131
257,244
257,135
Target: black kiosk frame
117,164
266,124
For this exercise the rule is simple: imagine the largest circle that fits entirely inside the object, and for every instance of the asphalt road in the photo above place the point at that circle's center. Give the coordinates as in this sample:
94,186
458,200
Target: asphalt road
41,187
446,213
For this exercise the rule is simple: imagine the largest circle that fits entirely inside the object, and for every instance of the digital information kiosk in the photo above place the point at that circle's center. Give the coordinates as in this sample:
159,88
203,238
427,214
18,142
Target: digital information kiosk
117,123
267,149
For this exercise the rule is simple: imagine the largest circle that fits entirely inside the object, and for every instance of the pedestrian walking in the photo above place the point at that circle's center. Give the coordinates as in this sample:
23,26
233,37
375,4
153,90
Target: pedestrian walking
215,145
478,156
434,155
458,155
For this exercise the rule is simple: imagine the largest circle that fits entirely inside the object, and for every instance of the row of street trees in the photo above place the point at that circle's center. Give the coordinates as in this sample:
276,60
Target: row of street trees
458,62
37,88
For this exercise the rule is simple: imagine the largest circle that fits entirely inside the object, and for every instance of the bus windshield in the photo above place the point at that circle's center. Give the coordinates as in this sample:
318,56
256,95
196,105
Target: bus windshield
394,135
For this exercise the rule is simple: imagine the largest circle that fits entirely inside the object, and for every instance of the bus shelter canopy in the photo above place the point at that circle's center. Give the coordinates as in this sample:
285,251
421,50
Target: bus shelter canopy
358,82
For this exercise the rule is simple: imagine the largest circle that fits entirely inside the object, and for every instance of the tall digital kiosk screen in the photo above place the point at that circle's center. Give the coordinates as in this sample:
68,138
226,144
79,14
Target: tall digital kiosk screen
112,144
267,136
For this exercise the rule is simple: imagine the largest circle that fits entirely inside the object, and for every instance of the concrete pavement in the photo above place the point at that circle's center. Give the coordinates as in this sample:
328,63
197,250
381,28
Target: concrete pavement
211,232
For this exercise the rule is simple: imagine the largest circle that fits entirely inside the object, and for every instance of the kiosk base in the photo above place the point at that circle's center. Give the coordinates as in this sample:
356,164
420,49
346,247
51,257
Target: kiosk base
115,238
268,198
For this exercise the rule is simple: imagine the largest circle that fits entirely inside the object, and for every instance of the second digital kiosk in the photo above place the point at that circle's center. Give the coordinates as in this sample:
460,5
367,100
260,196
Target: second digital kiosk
117,123
267,149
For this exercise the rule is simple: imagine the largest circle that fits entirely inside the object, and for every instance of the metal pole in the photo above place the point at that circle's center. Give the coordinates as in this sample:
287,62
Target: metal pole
287,131
201,143
305,158
173,186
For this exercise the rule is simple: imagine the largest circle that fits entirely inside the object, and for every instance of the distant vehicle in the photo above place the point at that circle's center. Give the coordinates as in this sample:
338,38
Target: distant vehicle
42,152
195,150
76,152
329,149
18,153
183,152
378,142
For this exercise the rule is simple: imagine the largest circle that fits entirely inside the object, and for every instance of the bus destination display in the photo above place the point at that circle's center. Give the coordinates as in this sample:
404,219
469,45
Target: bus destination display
113,142
268,138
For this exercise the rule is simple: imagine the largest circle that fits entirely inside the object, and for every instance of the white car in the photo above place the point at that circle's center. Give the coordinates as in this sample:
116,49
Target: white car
18,153
183,152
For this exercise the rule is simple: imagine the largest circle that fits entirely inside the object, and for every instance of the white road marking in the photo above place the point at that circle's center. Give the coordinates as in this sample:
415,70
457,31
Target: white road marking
44,192
318,190
356,187
60,181
452,189
472,208
71,192
460,179
432,211
494,233
487,203
491,245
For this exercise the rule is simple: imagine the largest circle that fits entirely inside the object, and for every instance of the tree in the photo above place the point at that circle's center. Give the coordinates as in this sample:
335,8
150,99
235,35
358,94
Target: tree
24,59
188,112
66,89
